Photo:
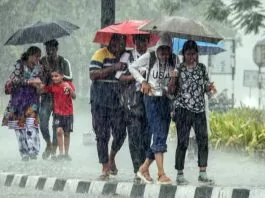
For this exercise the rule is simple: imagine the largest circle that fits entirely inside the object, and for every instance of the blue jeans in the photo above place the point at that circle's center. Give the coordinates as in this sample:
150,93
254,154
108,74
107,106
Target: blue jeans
45,114
158,117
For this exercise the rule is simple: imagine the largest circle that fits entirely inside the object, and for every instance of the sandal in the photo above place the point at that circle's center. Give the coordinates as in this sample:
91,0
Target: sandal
145,177
163,179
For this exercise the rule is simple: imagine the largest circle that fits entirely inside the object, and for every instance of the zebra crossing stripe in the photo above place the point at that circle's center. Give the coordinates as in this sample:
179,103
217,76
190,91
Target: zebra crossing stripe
167,191
137,190
23,181
59,185
3,177
222,192
18,179
151,190
40,184
96,188
71,185
49,184
254,193
124,189
83,187
240,193
203,192
185,191
9,180
32,182
109,188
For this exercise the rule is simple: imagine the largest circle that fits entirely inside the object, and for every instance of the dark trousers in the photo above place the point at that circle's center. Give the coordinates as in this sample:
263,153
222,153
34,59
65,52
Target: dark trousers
186,119
138,136
107,121
46,108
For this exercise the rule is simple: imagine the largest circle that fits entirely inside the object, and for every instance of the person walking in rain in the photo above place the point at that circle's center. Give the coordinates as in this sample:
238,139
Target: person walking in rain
63,92
51,62
159,66
132,101
192,84
22,111
107,113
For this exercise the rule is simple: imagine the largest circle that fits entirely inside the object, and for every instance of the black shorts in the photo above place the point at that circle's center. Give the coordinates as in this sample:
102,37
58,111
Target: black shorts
65,122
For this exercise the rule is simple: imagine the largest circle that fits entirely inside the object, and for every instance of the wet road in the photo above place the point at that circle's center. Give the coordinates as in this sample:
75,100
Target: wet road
24,193
227,169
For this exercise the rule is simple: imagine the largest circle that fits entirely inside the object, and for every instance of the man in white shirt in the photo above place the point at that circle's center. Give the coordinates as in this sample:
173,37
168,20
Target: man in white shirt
132,101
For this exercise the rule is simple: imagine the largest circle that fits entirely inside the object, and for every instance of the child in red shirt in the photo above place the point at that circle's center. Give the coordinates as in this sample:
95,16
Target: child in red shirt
63,92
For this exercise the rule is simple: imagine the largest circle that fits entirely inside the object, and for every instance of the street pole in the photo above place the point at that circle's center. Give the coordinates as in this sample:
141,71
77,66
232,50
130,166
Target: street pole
210,66
107,12
260,86
259,58
233,72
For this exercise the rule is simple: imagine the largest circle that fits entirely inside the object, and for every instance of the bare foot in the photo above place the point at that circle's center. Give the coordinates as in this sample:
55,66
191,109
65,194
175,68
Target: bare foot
112,168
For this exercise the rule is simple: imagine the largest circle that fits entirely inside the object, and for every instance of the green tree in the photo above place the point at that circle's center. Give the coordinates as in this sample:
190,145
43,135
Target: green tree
244,14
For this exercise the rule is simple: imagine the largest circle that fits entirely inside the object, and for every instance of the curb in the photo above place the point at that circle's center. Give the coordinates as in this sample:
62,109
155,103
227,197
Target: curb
125,188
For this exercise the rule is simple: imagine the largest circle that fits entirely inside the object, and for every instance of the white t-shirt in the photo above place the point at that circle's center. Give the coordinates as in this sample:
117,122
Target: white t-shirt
125,58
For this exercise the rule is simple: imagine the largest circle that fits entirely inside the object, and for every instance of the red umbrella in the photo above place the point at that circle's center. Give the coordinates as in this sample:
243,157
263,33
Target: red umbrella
127,28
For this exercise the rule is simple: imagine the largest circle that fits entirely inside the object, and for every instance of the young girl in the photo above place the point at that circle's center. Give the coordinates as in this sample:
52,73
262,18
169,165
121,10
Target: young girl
155,86
63,92
22,111
193,83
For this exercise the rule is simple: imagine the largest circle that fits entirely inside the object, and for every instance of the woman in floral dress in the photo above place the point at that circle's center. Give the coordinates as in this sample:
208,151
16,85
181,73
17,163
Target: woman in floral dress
22,111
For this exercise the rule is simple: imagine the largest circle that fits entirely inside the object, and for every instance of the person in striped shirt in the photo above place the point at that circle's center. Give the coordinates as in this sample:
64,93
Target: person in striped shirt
107,113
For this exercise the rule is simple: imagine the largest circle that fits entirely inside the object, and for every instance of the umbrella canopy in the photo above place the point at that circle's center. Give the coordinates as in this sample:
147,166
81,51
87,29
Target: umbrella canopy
185,28
127,28
41,32
204,47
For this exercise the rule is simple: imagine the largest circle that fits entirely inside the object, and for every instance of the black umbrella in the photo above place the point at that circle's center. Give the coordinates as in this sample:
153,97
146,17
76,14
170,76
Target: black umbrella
41,32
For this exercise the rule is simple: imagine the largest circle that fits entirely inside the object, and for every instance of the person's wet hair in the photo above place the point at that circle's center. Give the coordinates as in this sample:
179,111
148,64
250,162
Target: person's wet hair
59,71
121,39
117,37
33,50
190,45
141,37
51,43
